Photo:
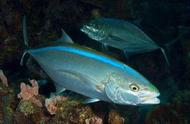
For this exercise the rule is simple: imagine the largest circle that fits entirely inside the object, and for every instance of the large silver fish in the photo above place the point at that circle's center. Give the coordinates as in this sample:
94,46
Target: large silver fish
92,74
122,35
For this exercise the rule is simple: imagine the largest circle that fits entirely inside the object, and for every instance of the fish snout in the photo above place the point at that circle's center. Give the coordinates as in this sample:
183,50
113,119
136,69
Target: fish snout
84,29
150,98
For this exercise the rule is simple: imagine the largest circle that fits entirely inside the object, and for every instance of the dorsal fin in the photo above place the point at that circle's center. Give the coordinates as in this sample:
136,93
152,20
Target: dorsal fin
64,38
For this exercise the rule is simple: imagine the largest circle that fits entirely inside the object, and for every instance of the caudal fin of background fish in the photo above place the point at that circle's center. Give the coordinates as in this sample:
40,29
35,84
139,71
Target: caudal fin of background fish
185,31
170,44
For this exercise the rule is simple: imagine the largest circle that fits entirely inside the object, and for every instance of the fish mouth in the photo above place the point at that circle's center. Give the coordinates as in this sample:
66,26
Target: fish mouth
85,27
152,99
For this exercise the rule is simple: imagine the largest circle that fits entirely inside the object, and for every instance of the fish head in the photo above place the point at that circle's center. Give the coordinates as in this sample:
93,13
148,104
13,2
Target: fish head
130,91
95,30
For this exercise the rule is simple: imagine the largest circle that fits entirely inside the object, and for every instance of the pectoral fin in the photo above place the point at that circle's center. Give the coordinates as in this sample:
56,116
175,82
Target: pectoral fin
60,90
91,100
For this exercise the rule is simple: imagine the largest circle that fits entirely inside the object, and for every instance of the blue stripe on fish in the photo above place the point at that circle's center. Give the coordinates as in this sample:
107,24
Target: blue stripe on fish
93,56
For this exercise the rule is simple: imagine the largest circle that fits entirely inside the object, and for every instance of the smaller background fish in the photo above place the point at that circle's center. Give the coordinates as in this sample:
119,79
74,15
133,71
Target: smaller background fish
122,35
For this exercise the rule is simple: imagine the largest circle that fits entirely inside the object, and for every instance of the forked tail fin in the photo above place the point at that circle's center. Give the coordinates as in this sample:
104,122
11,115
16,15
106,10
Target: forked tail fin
170,43
185,31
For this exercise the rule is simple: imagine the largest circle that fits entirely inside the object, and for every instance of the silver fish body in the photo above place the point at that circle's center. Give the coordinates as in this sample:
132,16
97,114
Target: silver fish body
92,74
120,34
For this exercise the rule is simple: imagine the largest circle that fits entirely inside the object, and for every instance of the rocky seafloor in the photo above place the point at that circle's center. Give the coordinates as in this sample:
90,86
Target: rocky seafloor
28,103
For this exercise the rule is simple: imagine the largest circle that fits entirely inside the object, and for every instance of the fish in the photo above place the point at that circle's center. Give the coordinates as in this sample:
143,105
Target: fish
93,74
122,35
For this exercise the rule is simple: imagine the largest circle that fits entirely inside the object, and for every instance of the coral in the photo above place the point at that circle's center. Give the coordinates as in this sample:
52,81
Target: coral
115,118
94,120
6,100
27,107
20,117
3,78
73,112
30,107
6,108
29,93
29,112
4,89
85,112
65,111
52,102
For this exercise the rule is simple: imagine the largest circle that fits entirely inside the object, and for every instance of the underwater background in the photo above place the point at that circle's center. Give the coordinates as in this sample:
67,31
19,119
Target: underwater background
162,20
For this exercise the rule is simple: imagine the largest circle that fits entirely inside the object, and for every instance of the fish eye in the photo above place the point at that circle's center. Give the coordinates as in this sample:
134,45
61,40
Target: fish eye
134,87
